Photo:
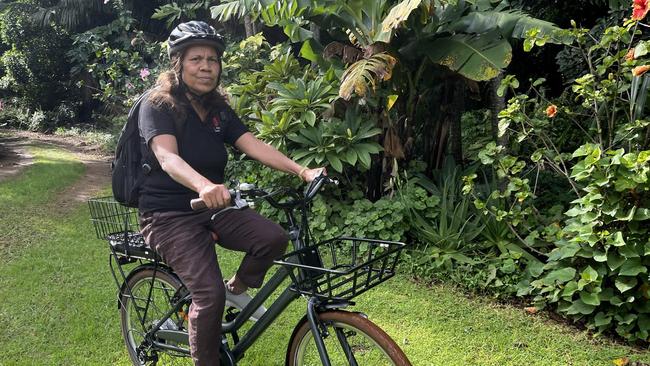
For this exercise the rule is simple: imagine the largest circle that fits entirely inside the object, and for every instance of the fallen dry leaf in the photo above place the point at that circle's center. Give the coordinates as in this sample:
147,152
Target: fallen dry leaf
623,361
531,310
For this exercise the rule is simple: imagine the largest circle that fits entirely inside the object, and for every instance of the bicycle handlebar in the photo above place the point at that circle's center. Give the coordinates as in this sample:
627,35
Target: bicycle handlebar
238,202
199,204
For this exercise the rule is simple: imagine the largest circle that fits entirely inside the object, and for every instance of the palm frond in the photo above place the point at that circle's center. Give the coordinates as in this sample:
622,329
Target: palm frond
365,74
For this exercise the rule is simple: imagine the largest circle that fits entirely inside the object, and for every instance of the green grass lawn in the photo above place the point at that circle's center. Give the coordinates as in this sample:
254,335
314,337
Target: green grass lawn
59,306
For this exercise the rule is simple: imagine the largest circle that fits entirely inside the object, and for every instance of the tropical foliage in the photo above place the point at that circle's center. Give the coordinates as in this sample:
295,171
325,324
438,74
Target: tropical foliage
532,184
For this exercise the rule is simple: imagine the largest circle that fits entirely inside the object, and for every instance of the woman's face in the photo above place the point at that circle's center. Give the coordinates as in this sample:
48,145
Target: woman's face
201,69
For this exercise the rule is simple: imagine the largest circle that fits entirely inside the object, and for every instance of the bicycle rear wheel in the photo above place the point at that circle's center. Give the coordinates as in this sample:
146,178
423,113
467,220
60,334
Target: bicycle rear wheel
160,289
352,340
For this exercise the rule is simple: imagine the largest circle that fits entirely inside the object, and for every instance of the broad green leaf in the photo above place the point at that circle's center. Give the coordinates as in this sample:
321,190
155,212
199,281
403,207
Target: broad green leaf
589,274
616,239
307,51
600,256
310,117
570,288
641,49
579,307
589,298
628,251
511,24
614,260
335,162
643,322
390,101
535,268
503,126
625,319
476,57
577,211
560,275
565,251
616,301
351,157
601,319
364,158
625,283
642,214
632,267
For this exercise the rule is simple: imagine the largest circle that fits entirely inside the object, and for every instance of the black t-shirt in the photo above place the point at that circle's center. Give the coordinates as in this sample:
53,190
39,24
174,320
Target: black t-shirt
201,145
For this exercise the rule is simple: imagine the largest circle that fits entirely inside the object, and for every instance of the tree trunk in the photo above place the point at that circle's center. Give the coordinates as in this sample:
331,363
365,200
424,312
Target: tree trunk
375,175
315,29
458,95
249,26
497,104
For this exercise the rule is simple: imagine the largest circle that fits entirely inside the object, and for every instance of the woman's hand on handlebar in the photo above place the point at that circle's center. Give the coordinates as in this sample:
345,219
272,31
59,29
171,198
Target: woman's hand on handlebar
308,175
215,196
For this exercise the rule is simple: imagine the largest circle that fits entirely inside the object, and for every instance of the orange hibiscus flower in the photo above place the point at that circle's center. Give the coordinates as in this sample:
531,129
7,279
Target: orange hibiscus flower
551,110
640,70
640,9
630,55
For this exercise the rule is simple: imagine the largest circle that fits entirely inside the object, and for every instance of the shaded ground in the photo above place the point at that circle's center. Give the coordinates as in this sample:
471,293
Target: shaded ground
14,157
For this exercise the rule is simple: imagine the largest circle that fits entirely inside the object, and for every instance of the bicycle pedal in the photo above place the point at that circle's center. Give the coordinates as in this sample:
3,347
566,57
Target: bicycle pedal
231,313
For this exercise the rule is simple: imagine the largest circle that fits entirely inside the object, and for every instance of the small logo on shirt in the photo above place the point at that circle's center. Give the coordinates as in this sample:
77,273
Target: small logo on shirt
216,124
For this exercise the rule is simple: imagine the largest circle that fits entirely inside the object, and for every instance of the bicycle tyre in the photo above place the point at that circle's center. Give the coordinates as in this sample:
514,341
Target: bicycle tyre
165,286
369,343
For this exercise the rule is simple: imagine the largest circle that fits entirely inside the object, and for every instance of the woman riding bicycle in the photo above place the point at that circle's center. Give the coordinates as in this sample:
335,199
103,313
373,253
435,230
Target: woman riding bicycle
186,123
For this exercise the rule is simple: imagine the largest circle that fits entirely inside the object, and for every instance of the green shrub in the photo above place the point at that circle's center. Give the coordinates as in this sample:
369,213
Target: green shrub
599,270
596,260
39,121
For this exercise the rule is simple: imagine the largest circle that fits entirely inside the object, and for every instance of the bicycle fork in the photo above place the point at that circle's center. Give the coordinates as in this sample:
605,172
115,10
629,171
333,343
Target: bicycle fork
319,331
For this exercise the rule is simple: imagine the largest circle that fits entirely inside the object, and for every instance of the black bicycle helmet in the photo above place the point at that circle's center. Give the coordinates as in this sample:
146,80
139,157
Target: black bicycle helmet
193,33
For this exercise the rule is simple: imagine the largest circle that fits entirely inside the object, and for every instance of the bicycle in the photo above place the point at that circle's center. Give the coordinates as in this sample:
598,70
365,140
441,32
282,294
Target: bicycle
153,302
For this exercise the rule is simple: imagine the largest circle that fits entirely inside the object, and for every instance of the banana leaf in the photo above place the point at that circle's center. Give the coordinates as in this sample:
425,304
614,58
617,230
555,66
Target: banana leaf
477,57
511,24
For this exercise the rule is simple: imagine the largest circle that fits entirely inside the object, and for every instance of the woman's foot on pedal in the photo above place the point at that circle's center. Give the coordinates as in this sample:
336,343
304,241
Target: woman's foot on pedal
240,301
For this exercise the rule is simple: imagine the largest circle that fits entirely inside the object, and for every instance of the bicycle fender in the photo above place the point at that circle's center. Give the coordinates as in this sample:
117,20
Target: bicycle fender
299,325
293,334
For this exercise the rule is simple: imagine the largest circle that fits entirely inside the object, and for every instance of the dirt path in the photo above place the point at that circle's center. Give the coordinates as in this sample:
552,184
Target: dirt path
14,157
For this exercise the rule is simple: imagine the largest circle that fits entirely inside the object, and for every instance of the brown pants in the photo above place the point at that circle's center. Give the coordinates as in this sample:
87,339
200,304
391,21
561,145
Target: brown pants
184,241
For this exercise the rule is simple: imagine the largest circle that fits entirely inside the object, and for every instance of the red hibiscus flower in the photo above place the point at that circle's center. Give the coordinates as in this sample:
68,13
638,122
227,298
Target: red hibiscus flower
640,9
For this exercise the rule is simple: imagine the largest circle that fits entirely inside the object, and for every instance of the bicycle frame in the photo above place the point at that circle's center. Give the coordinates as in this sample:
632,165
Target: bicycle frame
241,345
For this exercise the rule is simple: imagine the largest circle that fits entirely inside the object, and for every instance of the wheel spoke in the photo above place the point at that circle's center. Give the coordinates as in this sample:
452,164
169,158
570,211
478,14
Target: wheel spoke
157,298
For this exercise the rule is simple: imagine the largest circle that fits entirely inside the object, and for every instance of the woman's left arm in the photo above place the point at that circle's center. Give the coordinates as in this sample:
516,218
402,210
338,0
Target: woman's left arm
271,157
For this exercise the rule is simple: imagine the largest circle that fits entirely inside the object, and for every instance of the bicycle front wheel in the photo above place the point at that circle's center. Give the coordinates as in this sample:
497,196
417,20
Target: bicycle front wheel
152,297
351,340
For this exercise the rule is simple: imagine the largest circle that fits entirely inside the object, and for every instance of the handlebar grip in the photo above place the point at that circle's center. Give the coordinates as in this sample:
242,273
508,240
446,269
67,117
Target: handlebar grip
197,204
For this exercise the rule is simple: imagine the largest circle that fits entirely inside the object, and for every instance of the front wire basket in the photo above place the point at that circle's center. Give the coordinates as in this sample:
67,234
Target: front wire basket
118,225
341,268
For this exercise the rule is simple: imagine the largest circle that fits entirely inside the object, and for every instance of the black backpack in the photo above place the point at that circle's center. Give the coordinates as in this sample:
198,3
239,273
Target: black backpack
129,168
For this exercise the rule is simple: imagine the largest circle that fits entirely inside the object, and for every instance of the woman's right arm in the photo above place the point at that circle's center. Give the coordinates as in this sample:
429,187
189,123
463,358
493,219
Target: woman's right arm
165,148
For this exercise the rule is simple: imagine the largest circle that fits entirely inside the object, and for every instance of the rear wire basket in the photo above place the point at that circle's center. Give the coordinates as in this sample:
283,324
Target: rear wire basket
341,268
118,225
